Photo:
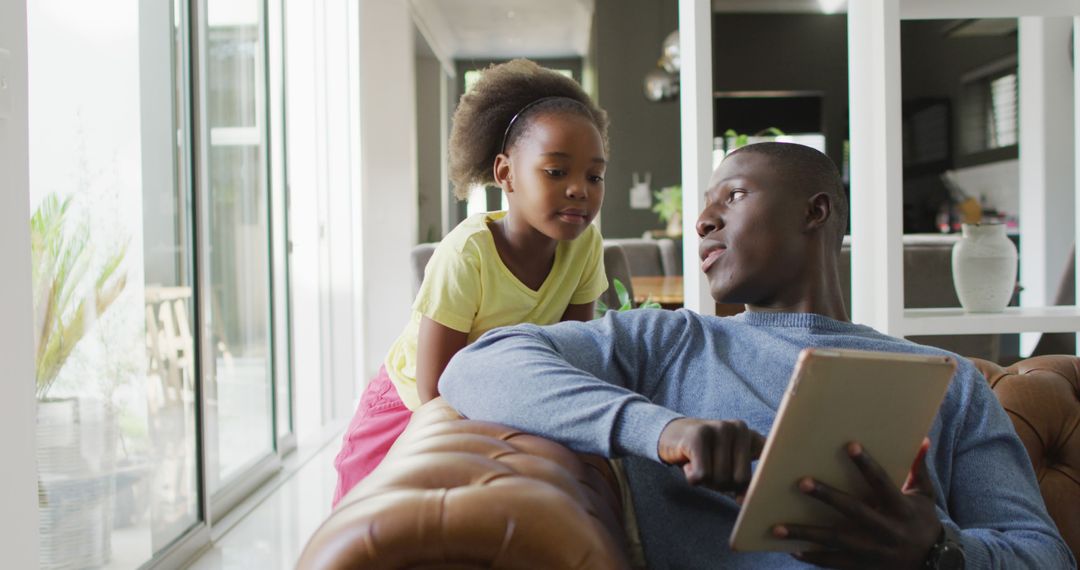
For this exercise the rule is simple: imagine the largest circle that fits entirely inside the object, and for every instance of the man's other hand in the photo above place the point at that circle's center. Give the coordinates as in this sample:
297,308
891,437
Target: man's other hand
713,453
892,528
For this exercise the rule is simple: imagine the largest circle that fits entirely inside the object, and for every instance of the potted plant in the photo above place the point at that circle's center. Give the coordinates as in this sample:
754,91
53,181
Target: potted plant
669,207
734,140
76,436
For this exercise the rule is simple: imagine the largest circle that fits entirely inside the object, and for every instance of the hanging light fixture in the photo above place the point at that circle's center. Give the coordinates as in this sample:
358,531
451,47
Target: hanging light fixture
669,53
662,83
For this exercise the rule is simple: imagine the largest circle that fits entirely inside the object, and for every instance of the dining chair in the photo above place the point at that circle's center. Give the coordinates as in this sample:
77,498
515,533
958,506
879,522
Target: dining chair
420,255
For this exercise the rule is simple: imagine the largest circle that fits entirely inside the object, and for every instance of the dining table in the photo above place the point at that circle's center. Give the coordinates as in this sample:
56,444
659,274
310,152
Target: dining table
667,290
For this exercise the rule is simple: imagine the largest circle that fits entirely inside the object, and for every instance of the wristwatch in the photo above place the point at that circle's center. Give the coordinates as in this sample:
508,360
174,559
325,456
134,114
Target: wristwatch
946,553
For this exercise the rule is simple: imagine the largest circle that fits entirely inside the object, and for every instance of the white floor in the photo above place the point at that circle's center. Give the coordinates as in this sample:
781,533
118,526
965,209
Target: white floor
273,534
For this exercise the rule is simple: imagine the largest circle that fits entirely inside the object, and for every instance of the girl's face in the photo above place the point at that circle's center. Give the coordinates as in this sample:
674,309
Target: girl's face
553,175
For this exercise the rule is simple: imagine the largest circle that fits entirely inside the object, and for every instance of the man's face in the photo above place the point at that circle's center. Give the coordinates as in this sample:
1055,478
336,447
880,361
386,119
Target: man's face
753,243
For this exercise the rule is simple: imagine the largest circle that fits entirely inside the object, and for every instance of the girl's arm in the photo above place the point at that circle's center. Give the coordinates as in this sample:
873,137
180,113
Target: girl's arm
584,312
436,345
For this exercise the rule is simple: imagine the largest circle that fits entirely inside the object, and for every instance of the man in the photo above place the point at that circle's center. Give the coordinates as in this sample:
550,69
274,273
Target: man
667,389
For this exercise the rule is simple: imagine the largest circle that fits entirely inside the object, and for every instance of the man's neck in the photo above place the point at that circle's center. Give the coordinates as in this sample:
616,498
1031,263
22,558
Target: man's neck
818,293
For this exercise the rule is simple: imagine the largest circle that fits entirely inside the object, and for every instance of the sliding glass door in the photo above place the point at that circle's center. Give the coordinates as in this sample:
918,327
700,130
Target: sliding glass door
234,242
117,383
158,222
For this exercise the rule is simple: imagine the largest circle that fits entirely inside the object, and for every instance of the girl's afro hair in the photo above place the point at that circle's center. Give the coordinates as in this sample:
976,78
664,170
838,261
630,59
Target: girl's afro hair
484,113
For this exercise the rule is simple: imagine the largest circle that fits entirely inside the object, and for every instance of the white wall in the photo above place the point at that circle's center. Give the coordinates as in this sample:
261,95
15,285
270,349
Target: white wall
308,85
388,163
1047,178
353,206
18,478
998,182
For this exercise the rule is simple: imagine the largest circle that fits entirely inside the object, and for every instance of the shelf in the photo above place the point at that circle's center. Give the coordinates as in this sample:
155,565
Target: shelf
1012,320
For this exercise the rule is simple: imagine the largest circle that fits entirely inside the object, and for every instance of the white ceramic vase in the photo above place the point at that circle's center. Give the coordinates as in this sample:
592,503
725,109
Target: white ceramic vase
984,268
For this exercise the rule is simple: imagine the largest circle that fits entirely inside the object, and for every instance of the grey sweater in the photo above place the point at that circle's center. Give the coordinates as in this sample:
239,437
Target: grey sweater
610,387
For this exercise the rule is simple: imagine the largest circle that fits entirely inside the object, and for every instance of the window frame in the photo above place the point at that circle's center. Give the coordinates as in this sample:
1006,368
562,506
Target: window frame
983,77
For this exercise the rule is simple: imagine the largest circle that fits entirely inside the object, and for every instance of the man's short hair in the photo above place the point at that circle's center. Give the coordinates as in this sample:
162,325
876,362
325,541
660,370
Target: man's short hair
809,171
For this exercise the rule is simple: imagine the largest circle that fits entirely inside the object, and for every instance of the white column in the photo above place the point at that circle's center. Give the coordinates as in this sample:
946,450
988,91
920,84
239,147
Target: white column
1076,158
387,158
696,89
1046,159
877,272
18,406
305,236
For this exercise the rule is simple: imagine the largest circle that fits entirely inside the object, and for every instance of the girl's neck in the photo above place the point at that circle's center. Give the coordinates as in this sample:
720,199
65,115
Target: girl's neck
527,253
522,239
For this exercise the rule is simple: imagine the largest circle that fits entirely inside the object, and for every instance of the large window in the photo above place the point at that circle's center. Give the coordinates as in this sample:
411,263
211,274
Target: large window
989,108
151,208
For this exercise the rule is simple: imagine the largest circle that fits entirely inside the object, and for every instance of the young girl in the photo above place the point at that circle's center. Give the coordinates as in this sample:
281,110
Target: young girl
538,136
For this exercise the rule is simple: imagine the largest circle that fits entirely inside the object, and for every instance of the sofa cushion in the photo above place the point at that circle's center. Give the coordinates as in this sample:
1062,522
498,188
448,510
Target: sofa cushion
455,493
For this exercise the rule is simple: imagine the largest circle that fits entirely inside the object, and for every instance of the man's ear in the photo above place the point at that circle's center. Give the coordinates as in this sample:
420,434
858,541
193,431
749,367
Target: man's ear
502,172
818,210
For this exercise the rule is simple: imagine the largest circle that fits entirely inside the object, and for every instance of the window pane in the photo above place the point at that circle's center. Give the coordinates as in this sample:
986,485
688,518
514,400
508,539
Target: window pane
1003,106
477,201
237,367
112,281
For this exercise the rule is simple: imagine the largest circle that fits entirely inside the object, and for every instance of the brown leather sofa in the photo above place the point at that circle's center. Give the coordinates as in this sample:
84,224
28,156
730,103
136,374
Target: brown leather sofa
456,493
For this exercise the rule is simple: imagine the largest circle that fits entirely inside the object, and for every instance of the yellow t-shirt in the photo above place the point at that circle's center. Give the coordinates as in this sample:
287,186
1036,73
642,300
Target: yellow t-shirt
467,288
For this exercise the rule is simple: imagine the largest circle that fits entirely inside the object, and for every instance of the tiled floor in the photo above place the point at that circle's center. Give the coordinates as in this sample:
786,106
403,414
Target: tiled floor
273,534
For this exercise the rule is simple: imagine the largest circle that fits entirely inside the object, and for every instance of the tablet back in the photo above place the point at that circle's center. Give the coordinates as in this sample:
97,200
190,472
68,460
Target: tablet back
885,401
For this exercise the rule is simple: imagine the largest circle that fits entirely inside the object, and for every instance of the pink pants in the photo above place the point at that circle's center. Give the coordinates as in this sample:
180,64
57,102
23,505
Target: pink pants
379,420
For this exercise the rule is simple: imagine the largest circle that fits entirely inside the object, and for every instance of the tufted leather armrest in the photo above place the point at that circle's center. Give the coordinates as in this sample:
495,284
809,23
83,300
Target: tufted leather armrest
1042,397
456,493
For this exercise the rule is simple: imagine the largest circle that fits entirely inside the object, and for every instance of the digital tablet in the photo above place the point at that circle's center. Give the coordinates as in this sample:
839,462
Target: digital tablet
883,400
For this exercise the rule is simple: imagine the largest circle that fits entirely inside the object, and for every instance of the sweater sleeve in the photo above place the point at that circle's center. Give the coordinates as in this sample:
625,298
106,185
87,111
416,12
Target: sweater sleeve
993,499
585,385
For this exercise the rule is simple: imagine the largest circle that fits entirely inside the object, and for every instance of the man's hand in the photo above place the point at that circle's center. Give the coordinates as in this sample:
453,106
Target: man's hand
893,528
713,453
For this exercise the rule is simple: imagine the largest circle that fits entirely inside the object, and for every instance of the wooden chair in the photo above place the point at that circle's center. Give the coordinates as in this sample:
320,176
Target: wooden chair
170,344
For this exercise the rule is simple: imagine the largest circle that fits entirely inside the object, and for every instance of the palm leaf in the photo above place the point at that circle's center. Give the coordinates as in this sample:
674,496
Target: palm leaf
61,260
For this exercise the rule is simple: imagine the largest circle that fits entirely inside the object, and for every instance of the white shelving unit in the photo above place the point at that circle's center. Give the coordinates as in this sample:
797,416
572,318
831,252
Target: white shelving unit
696,105
877,184
1013,320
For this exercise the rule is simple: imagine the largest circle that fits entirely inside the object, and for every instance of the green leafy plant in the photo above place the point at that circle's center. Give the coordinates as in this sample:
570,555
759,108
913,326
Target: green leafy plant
625,302
668,202
742,139
63,309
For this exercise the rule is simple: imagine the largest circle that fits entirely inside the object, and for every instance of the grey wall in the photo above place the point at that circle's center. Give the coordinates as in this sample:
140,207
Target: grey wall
428,148
644,136
787,52
932,65
753,52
